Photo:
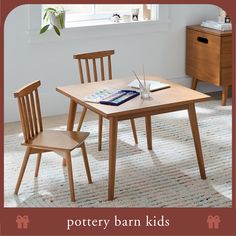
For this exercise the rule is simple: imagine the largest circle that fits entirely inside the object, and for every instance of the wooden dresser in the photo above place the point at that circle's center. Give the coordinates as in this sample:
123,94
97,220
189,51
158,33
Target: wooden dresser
209,57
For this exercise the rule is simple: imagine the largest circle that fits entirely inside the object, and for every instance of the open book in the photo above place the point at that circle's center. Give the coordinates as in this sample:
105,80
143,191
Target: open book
155,85
111,97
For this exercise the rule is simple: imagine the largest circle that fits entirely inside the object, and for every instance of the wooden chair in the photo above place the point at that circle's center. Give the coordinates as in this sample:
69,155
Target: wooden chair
38,141
92,59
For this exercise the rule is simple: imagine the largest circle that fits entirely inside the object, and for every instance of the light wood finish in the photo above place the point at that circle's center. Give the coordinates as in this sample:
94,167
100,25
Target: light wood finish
86,163
38,141
112,156
149,131
97,58
172,99
58,140
100,122
209,57
225,92
70,121
39,155
196,137
22,170
194,83
134,130
81,120
71,118
136,107
70,175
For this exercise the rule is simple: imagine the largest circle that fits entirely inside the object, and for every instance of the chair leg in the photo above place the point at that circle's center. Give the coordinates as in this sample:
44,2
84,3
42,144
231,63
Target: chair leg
100,121
37,164
81,120
86,163
134,131
70,176
22,170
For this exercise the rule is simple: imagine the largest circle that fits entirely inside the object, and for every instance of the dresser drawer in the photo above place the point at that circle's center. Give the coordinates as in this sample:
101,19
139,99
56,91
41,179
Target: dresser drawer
202,46
203,56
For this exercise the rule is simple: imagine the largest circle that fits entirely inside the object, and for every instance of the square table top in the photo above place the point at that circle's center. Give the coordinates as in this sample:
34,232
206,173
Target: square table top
176,95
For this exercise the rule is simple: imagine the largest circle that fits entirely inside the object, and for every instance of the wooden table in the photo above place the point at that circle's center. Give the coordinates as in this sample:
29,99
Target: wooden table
172,99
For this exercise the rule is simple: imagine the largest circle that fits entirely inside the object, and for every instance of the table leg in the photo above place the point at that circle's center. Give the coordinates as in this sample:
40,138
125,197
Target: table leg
100,122
112,157
70,120
224,95
149,131
196,138
71,115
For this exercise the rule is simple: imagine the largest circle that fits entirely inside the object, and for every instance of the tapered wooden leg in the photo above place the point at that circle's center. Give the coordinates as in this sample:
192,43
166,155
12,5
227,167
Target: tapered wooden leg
64,162
70,120
100,121
81,120
22,170
71,115
224,95
37,164
70,176
194,83
86,163
149,131
196,138
112,157
134,131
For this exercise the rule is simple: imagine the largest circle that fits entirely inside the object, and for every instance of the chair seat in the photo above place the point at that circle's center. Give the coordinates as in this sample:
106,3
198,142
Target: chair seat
57,140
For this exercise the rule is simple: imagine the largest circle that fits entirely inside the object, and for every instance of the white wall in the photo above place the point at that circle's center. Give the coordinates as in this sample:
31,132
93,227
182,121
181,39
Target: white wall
163,53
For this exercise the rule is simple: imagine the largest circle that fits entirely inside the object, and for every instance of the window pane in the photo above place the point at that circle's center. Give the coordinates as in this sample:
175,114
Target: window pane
80,9
116,8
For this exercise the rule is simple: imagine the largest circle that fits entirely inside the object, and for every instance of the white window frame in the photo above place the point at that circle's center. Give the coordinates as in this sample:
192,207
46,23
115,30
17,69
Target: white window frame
107,16
96,28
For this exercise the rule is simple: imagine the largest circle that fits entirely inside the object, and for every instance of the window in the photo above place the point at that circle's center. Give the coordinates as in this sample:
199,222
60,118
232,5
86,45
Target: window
93,14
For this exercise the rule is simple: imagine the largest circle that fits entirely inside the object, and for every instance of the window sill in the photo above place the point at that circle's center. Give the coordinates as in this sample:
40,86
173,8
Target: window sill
100,23
101,29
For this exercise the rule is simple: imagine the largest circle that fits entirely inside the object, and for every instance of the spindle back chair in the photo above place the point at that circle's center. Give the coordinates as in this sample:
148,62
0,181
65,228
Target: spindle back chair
86,61
39,141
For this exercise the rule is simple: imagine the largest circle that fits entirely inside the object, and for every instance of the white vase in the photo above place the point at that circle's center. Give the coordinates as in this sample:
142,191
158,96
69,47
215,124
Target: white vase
55,19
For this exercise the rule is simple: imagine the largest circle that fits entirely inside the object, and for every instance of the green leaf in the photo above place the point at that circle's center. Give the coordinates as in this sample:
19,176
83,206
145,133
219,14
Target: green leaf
45,14
61,21
44,29
51,9
57,30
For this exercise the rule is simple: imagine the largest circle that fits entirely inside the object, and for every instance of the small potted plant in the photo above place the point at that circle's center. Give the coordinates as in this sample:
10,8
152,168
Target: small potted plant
54,18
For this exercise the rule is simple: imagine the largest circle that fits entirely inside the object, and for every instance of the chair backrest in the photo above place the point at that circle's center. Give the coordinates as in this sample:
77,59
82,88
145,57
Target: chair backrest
91,59
29,108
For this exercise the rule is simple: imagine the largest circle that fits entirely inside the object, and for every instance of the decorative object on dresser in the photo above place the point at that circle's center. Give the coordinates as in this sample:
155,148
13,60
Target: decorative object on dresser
209,57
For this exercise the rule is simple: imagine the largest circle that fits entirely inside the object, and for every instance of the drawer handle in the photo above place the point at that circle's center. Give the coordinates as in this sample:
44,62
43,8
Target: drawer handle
202,40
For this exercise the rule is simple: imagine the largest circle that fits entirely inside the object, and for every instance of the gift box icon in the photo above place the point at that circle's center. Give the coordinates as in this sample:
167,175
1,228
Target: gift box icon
213,222
22,222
